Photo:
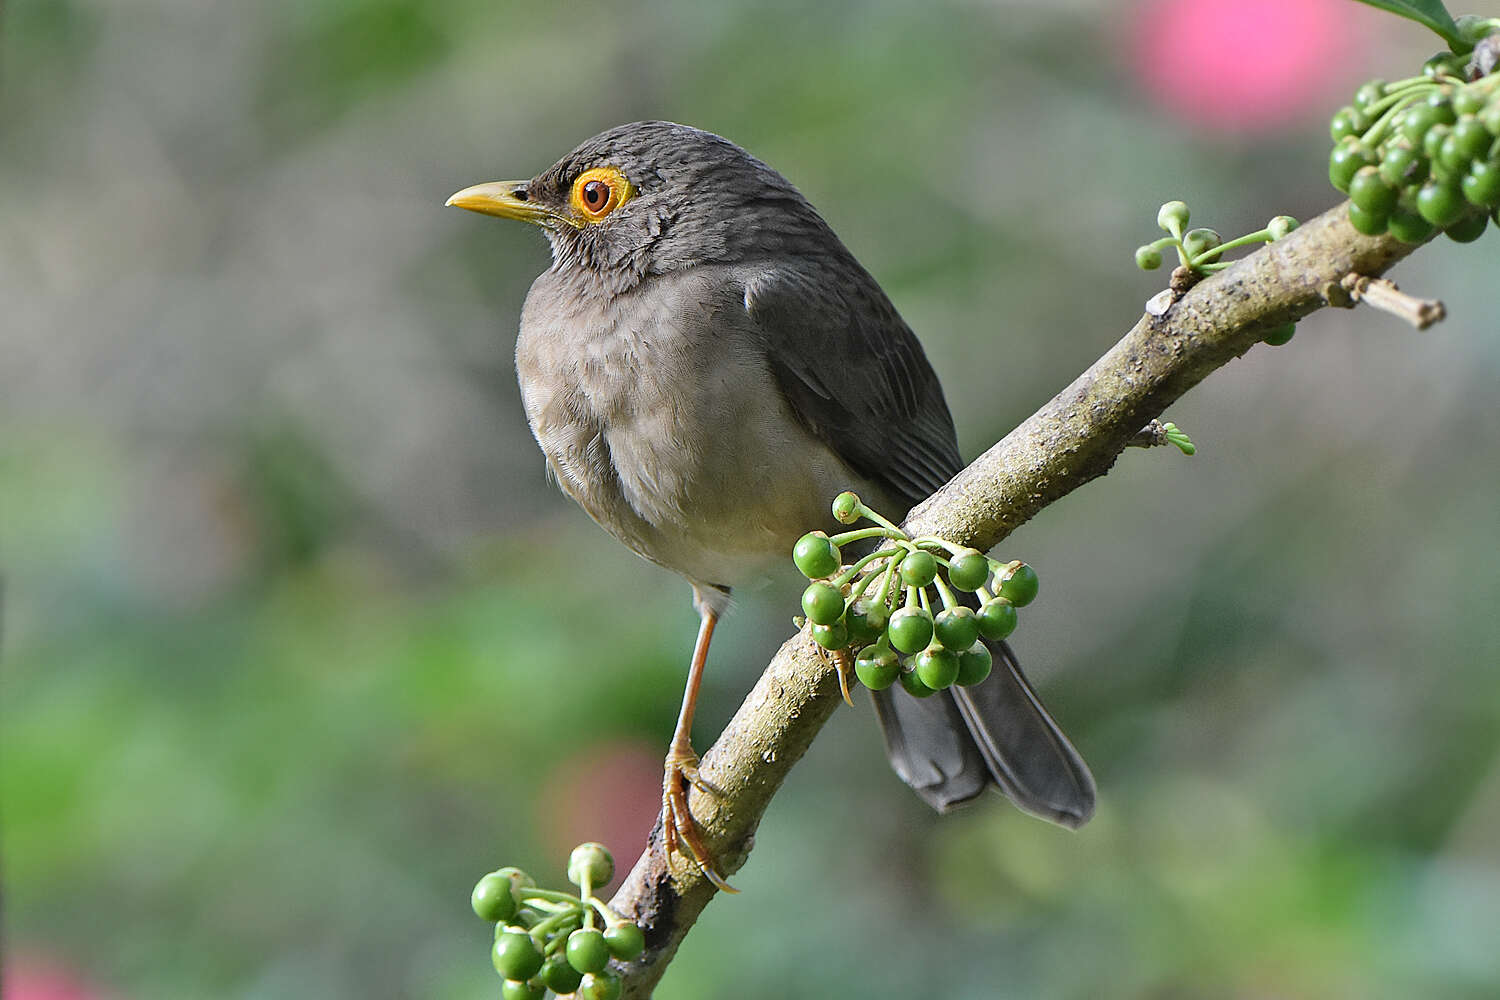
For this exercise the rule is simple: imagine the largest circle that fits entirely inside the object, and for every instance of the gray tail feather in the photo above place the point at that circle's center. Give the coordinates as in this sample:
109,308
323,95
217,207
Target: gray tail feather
951,746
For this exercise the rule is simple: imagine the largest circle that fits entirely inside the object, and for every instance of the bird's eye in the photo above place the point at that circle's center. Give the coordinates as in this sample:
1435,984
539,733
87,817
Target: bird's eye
600,191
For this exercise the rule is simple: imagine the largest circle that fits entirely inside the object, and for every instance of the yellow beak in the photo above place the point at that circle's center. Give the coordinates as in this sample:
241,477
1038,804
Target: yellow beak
506,199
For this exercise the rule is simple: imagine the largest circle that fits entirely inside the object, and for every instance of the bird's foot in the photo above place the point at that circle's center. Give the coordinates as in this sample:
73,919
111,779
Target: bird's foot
679,829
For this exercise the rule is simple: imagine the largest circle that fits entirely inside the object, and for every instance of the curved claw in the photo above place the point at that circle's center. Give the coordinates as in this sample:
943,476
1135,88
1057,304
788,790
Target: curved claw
679,827
843,662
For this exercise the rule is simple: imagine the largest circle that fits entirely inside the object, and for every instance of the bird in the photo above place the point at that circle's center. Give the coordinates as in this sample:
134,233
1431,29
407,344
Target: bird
705,366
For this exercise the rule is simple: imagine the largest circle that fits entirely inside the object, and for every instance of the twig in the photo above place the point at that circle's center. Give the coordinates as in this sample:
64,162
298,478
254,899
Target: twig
1383,294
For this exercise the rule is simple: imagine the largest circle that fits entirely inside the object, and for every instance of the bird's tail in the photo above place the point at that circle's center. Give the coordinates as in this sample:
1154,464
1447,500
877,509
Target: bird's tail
951,746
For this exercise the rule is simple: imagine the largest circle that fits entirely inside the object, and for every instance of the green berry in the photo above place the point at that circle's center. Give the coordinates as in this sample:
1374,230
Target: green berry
558,976
974,665
846,508
969,570
1490,118
866,622
1469,228
877,667
1481,185
1197,242
823,603
1147,258
1019,584
1400,165
516,989
1369,223
1409,227
515,955
997,619
936,667
1468,101
1441,102
1453,156
599,986
1436,65
1415,121
1345,160
956,628
1343,124
835,636
1279,227
592,861
1370,93
586,950
1172,216
816,555
625,940
1432,142
918,568
1284,333
1370,192
910,629
914,686
492,899
1440,204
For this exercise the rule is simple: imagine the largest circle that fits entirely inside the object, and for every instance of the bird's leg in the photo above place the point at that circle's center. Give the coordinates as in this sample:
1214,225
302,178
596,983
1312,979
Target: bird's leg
678,824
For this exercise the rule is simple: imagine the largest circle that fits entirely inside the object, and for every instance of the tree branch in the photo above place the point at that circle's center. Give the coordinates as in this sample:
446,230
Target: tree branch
1073,439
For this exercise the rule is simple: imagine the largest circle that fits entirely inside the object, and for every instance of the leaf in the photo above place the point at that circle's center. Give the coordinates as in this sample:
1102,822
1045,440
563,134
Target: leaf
1431,13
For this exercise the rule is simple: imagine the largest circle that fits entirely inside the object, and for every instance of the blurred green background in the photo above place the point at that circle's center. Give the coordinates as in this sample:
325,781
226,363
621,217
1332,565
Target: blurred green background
298,641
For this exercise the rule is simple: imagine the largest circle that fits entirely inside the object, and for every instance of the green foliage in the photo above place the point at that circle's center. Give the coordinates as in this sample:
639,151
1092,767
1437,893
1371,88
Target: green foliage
1429,13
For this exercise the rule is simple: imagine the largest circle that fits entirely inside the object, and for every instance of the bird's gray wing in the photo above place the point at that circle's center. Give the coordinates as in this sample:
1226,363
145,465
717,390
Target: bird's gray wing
853,372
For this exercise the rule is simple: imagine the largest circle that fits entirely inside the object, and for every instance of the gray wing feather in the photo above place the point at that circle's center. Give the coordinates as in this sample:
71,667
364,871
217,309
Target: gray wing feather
853,372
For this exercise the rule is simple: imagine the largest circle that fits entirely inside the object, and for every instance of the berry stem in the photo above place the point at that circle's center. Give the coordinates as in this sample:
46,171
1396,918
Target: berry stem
944,592
1376,132
934,540
845,537
885,584
540,931
853,571
610,916
1263,236
864,584
531,893
869,514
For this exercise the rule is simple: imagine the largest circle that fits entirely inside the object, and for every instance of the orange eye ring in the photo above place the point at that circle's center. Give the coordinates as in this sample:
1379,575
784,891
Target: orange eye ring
598,192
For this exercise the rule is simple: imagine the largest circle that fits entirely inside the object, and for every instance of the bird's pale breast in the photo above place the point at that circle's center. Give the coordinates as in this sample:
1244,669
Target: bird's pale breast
658,413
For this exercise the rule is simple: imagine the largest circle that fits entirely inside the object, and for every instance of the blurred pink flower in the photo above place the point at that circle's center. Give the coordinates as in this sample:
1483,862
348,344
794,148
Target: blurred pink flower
1245,65
609,792
29,977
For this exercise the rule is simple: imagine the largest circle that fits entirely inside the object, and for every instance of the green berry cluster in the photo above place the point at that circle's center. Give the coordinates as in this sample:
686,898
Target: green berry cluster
883,604
1423,154
549,940
1201,250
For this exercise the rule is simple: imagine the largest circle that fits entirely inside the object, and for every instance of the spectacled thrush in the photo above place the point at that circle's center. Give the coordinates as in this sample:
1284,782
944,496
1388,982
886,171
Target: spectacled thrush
705,366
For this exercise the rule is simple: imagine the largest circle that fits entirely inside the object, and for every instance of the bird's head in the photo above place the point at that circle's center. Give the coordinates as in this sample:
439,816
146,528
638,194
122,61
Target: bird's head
653,197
